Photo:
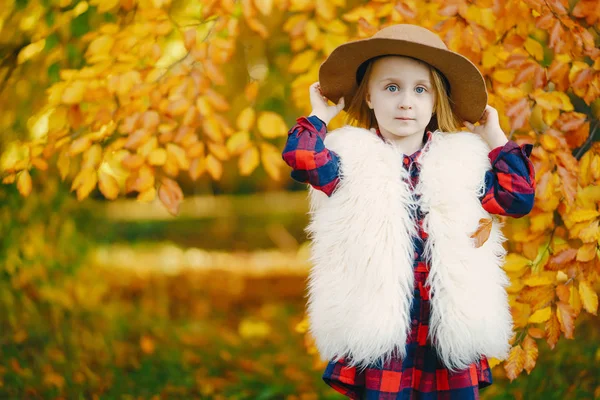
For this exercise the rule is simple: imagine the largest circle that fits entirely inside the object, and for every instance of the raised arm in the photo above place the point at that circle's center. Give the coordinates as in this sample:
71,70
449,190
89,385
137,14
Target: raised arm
510,184
310,160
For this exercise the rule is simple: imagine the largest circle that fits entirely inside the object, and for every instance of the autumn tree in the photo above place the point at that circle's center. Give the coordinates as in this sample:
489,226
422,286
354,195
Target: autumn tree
141,95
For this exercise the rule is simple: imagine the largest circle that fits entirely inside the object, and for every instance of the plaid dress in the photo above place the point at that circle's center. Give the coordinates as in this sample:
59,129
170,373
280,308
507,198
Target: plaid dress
510,187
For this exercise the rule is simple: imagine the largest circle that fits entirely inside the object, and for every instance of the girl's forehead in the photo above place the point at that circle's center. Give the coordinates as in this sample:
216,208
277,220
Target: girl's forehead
400,68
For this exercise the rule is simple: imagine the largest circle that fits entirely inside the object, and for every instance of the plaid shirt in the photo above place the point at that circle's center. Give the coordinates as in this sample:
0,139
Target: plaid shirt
510,190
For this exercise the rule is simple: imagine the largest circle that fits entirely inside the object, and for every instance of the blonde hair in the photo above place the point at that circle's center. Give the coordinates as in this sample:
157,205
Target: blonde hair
444,118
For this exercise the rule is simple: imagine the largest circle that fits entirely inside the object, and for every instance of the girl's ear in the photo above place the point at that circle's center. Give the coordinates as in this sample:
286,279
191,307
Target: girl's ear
368,100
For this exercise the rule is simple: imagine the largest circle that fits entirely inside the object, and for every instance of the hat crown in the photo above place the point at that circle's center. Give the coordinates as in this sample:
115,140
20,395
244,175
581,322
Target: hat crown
411,33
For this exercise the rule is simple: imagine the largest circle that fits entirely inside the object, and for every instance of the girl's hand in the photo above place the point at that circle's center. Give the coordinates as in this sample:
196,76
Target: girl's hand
489,128
320,108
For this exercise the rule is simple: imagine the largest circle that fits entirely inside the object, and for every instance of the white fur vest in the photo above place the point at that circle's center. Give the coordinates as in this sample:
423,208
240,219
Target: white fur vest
360,286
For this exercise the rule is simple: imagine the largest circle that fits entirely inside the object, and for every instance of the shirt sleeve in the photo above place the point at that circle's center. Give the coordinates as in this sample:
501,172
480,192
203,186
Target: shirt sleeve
310,160
510,184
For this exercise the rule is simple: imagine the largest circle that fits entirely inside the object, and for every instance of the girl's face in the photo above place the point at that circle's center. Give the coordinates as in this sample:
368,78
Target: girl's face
401,95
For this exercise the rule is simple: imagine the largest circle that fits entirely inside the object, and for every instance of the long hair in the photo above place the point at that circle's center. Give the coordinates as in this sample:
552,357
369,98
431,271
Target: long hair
444,118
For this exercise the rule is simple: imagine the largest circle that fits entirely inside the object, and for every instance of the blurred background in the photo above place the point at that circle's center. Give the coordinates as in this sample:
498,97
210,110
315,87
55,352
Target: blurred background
153,241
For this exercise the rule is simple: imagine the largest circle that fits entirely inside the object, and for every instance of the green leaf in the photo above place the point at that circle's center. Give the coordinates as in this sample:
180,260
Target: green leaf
54,72
80,25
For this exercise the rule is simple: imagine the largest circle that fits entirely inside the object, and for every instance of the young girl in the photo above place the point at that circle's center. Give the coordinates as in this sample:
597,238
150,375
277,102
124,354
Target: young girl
403,302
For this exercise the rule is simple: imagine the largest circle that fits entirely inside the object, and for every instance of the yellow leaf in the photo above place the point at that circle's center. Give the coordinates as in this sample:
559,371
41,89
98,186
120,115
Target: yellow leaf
157,157
249,329
246,118
104,5
515,262
271,160
212,130
534,48
79,145
504,75
24,184
493,362
197,167
591,232
589,297
179,154
542,315
542,221
108,185
551,115
63,163
219,150
87,183
30,51
92,157
587,252
302,61
582,215
302,326
214,167
561,277
238,142
264,6
271,125
544,278
575,300
147,195
248,161
100,49
489,57
73,94
337,27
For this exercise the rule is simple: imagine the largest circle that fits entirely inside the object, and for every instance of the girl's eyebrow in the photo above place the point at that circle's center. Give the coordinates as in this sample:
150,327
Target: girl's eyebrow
394,79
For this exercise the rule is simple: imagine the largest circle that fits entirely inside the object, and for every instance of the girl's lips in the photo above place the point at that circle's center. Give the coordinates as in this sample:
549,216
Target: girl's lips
405,119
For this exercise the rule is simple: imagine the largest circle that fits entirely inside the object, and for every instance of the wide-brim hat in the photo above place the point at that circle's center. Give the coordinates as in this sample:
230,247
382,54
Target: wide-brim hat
338,73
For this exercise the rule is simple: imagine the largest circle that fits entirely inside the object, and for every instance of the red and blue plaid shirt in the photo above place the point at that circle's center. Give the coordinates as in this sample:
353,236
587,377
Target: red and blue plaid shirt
510,189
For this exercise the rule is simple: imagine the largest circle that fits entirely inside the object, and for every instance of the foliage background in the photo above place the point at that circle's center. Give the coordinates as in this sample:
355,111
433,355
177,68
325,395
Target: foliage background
118,115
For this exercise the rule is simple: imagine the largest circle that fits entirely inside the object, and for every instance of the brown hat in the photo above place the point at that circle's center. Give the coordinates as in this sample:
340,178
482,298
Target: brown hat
339,75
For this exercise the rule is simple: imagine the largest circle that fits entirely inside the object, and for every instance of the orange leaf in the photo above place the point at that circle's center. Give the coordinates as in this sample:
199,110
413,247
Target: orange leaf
171,195
530,348
566,318
560,259
563,293
147,344
515,363
482,233
535,333
24,184
552,331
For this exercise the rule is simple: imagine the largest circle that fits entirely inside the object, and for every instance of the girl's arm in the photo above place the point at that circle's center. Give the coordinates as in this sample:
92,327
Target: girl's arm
510,184
310,160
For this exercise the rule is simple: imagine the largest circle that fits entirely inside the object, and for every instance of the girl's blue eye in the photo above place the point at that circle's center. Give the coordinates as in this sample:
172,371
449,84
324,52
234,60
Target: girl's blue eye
418,87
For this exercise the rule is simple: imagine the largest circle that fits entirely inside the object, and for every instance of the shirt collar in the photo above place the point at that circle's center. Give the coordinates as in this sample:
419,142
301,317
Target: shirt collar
414,156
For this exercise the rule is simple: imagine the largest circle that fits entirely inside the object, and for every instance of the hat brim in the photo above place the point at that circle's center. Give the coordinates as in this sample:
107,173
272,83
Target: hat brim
337,74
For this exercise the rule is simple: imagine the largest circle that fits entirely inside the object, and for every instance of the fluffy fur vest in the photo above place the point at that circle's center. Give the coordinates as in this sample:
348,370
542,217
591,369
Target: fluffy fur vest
360,286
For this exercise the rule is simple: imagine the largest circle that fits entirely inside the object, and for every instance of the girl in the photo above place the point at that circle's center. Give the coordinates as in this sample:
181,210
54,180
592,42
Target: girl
402,301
